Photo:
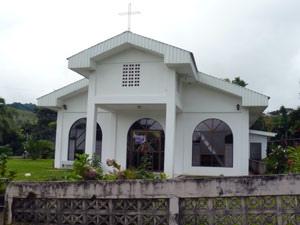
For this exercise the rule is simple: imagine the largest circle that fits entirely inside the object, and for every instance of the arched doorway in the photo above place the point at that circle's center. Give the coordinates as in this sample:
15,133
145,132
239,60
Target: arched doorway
77,139
146,137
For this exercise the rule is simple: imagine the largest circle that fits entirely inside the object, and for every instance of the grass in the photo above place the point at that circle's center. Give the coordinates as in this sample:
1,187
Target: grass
40,169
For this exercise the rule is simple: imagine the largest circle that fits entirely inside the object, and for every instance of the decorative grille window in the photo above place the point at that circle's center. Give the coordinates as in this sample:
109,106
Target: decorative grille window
131,75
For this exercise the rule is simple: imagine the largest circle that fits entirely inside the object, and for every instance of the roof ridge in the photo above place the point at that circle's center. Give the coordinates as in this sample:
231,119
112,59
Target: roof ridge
129,32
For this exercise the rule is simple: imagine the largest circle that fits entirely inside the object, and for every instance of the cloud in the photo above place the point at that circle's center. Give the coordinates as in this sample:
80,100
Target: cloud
256,40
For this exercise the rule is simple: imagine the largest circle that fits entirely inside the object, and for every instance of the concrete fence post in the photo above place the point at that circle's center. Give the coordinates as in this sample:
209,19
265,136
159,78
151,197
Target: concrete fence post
174,210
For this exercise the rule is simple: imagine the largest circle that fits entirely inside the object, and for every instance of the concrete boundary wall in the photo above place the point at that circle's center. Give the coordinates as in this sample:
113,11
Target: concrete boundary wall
237,200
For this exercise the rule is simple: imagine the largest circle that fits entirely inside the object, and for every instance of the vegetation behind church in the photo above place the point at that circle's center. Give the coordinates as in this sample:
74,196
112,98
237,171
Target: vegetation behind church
22,124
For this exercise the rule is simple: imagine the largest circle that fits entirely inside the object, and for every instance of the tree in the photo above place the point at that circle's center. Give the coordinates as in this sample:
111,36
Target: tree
5,119
45,127
237,81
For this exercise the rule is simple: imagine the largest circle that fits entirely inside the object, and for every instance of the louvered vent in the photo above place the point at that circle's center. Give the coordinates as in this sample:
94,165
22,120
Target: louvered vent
131,75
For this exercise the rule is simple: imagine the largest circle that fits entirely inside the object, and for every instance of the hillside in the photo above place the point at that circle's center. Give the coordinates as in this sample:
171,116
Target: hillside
24,107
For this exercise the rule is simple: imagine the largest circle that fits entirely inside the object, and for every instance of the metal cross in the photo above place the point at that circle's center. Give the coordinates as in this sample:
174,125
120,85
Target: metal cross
129,13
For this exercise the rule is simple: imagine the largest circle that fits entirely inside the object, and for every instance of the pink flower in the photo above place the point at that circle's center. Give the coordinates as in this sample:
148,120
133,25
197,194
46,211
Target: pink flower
290,162
90,174
119,173
110,162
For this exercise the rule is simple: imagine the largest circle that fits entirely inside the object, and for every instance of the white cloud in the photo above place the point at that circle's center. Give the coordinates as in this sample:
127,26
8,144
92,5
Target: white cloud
257,40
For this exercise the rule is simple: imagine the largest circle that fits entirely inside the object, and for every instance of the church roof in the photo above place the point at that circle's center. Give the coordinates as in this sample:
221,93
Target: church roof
85,61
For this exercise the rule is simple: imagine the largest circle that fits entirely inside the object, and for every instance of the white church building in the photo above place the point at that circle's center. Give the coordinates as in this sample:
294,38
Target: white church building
141,97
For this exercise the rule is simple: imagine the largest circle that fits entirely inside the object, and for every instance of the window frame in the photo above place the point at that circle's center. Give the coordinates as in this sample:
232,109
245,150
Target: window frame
99,137
203,136
131,149
260,149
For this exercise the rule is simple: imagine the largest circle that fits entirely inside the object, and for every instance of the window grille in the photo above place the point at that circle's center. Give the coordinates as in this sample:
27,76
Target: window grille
131,75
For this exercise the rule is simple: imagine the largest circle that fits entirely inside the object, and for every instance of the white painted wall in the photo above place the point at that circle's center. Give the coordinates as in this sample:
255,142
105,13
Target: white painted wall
152,74
254,138
198,102
201,103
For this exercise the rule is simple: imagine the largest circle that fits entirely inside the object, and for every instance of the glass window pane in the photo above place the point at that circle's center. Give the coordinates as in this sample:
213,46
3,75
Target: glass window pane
196,155
155,161
228,155
215,123
206,160
218,160
255,151
196,137
203,127
206,144
222,127
229,139
71,150
218,143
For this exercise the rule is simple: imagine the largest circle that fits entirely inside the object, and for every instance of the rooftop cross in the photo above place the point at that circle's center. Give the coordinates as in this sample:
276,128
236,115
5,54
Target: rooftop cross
129,13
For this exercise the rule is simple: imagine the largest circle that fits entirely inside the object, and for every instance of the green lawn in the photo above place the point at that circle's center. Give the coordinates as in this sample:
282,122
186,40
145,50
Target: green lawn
40,169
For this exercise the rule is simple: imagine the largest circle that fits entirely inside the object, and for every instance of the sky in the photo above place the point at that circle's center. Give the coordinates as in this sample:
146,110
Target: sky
257,40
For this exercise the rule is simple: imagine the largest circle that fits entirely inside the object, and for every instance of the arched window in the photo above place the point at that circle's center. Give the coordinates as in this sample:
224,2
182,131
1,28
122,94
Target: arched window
212,144
146,137
77,139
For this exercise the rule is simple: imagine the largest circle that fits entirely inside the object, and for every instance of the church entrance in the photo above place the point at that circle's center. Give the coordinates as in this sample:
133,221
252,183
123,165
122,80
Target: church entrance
146,143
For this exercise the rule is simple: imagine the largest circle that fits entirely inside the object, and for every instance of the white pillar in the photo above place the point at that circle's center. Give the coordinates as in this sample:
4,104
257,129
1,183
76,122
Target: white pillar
90,140
91,123
109,139
244,142
170,125
58,139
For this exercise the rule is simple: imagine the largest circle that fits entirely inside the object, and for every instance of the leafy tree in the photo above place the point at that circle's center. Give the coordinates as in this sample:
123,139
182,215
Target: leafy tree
45,127
237,81
260,124
5,119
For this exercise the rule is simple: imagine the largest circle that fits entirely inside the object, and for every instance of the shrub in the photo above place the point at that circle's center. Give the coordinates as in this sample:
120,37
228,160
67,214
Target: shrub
33,149
47,149
293,159
40,148
83,170
11,174
6,149
277,161
283,160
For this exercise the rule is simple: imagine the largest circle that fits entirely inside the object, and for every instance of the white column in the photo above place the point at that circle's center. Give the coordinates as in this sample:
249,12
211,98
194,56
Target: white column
170,125
58,139
245,142
90,140
91,123
109,139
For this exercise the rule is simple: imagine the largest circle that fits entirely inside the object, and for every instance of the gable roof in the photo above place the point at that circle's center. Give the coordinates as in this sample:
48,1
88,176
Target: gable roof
85,61
52,100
